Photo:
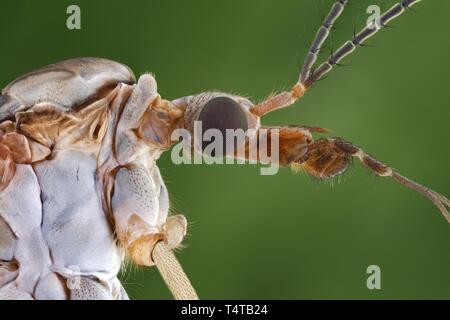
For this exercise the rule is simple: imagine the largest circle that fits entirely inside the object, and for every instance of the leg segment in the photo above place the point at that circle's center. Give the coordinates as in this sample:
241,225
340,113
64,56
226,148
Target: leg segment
327,158
140,209
135,208
90,289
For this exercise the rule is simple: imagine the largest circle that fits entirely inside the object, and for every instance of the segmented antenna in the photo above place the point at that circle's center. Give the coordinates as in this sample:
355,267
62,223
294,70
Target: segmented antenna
308,76
347,48
321,35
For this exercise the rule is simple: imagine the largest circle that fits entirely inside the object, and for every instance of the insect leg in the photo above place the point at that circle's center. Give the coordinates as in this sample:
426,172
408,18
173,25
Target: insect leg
90,289
135,208
327,158
140,213
174,226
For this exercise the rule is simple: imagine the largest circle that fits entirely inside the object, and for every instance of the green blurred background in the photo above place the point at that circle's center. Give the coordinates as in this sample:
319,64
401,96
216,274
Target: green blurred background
284,236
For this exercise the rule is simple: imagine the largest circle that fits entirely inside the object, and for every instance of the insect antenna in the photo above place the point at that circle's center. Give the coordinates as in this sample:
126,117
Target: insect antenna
287,98
307,76
347,48
321,36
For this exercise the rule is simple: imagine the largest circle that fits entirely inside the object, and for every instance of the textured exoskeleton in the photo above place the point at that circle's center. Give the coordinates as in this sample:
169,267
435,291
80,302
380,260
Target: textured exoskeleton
79,183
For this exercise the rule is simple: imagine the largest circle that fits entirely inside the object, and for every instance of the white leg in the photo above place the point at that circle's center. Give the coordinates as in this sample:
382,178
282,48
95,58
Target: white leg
90,289
135,207
140,207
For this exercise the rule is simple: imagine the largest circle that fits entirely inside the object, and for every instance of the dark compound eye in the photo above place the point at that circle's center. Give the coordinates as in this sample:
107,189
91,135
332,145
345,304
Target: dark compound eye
222,113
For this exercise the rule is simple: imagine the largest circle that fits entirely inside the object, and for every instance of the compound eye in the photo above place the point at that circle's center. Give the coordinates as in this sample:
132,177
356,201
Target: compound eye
222,113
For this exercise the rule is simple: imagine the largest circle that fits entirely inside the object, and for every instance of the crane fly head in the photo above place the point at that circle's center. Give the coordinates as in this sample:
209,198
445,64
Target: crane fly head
219,113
